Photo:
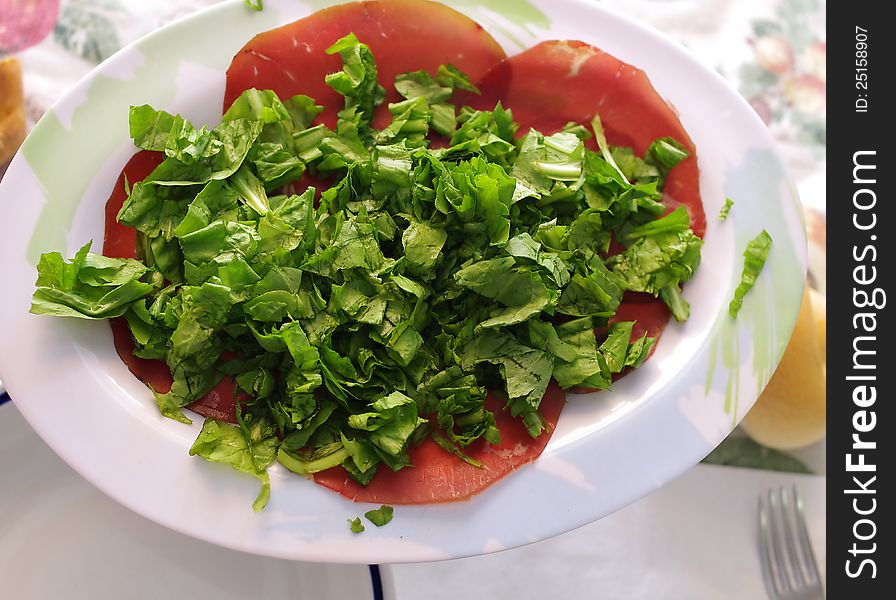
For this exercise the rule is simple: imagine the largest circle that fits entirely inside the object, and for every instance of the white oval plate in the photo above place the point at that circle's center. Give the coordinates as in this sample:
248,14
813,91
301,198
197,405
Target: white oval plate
608,449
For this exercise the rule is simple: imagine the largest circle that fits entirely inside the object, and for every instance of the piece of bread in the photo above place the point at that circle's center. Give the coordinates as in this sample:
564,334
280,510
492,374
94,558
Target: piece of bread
790,413
12,108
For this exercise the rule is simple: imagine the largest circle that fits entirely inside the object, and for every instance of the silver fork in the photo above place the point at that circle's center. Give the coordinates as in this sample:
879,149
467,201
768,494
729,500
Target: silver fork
788,563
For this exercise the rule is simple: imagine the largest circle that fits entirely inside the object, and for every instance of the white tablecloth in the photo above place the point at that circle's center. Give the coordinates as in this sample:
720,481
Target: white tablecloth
695,539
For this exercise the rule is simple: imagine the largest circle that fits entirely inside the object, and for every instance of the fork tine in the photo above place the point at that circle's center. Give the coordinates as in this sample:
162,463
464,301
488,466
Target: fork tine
789,569
774,582
795,559
764,550
803,537
778,530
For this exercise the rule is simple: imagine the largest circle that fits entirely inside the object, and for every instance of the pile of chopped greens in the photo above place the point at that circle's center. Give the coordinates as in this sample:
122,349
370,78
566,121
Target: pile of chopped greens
363,322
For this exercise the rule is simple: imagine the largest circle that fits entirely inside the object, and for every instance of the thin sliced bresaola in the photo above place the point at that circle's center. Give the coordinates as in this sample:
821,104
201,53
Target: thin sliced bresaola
437,476
120,241
649,317
219,403
404,35
556,82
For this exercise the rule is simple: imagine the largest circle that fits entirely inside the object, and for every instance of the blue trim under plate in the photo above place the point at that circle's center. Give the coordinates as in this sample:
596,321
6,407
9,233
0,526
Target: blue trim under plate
377,582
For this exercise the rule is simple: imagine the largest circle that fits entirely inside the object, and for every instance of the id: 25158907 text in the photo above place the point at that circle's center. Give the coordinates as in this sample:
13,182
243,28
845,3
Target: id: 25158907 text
862,79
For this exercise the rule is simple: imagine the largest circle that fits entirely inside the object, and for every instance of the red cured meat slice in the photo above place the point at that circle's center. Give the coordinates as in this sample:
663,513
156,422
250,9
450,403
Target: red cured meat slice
121,241
404,35
649,317
438,476
555,82
219,403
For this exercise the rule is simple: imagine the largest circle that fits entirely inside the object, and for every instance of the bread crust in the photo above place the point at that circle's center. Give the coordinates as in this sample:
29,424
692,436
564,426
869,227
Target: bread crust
12,108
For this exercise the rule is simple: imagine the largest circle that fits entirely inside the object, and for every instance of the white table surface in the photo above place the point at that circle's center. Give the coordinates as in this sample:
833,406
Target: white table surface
695,539
62,538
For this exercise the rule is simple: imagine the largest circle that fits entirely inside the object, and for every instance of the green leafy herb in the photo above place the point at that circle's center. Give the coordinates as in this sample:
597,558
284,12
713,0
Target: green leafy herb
723,214
255,4
601,138
665,153
357,81
90,286
448,446
379,516
755,256
225,443
356,525
451,76
664,254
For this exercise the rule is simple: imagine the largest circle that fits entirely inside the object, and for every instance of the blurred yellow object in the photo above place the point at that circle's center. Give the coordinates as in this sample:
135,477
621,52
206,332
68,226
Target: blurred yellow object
12,108
790,413
820,311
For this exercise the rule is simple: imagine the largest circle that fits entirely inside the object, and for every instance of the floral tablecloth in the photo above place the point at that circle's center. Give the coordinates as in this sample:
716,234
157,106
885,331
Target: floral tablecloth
773,51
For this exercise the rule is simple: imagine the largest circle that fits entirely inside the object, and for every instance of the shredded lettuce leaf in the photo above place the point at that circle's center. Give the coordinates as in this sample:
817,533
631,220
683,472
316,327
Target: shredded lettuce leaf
357,81
356,525
90,286
227,444
755,256
723,213
379,516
